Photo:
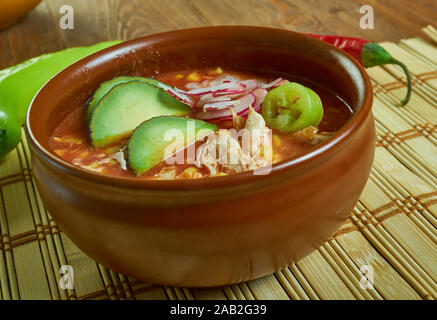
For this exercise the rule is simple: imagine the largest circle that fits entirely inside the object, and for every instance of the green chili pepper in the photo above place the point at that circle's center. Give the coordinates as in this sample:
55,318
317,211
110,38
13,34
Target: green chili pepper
369,54
292,107
20,83
374,55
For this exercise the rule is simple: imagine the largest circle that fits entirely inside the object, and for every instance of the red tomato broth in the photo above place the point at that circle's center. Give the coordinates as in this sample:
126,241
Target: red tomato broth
71,139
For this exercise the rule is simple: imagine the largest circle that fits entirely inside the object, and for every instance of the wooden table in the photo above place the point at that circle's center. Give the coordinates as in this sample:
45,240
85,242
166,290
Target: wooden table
99,20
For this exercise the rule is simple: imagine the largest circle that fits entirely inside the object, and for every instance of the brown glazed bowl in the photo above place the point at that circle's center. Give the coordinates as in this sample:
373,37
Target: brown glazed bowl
214,231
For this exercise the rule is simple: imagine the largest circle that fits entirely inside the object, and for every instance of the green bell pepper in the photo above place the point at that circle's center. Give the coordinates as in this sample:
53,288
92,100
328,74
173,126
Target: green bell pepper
20,83
292,107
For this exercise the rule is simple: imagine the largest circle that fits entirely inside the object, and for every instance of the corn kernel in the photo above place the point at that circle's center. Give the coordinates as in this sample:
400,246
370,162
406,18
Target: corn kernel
94,165
215,72
178,76
57,139
190,173
100,155
193,77
111,150
167,173
60,152
73,140
220,174
113,162
277,141
267,153
84,154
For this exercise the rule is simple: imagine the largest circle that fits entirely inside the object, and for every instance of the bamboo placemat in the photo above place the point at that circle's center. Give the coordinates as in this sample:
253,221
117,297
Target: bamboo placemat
392,229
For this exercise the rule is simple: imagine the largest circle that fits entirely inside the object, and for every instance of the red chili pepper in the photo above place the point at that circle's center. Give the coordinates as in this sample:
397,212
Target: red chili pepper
369,54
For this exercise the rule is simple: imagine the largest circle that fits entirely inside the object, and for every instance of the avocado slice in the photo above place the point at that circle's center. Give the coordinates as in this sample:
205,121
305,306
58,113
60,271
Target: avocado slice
107,86
126,106
158,138
104,88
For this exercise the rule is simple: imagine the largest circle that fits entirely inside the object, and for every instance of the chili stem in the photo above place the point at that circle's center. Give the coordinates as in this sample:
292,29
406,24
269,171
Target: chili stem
408,76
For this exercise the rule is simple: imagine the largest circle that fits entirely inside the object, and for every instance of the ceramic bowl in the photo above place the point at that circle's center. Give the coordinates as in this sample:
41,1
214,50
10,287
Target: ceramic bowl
215,231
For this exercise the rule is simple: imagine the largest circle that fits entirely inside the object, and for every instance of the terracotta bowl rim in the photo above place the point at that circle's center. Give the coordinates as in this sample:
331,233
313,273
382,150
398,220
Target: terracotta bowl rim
339,140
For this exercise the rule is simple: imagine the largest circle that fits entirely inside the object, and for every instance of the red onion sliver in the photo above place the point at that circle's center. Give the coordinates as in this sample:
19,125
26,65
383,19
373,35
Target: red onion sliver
239,88
231,94
202,91
284,81
272,84
228,92
224,79
211,99
260,95
242,106
192,85
219,105
205,83
249,84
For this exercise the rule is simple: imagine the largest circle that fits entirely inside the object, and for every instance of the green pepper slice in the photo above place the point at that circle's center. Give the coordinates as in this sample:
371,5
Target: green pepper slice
292,107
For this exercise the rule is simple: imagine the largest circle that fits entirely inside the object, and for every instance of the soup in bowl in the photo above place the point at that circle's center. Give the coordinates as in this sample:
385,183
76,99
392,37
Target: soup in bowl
204,157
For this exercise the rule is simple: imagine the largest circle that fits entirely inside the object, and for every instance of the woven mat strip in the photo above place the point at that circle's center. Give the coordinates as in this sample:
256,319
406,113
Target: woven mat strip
403,150
345,273
289,287
431,32
364,249
237,292
295,280
397,249
404,180
419,113
351,268
421,218
393,227
393,131
422,49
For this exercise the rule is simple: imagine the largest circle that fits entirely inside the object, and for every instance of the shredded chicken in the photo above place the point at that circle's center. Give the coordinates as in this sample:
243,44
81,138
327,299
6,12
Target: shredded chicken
260,134
322,137
119,157
310,135
307,134
237,121
223,153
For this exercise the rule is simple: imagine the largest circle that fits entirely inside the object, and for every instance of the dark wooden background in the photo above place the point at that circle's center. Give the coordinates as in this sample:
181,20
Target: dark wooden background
98,20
